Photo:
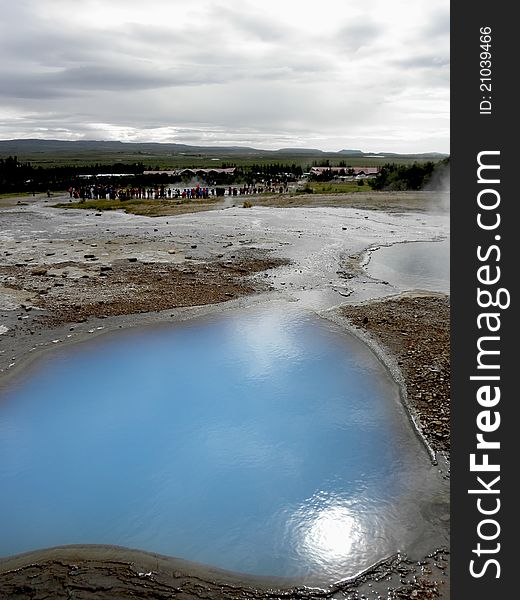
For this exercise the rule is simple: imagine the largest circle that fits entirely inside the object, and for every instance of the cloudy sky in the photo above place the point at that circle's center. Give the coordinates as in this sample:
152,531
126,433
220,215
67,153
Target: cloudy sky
327,74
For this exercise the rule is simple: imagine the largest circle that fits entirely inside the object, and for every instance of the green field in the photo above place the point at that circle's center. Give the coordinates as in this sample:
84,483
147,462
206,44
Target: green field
148,208
165,161
338,187
168,156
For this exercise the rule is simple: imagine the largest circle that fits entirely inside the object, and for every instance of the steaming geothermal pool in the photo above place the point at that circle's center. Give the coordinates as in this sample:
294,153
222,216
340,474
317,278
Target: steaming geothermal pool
266,441
413,265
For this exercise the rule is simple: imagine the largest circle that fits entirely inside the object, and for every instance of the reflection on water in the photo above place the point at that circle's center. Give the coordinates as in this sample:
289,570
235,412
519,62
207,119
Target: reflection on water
265,442
413,265
326,530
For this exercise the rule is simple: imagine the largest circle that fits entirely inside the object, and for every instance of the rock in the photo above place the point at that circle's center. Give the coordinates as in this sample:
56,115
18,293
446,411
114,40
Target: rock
89,256
133,259
39,271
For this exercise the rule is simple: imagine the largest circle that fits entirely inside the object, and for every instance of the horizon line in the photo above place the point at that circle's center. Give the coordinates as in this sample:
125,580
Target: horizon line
245,147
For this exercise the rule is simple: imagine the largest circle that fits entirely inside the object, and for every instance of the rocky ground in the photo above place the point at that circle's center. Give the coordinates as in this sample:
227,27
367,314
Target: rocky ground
101,573
73,292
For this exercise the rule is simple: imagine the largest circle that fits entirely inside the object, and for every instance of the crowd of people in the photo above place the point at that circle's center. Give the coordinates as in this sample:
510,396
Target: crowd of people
111,192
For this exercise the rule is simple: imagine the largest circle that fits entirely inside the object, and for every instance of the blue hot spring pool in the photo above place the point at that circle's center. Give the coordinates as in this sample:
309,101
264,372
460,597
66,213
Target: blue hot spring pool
266,442
413,265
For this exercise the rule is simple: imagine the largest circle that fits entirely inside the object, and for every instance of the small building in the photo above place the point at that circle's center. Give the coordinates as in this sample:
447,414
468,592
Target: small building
366,171
192,172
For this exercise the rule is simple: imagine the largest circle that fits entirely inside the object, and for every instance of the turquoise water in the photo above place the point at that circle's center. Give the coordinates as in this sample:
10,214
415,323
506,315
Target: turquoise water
413,265
265,442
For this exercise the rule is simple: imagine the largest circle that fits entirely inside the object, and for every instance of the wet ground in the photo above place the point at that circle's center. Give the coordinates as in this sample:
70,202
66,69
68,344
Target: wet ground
65,275
59,262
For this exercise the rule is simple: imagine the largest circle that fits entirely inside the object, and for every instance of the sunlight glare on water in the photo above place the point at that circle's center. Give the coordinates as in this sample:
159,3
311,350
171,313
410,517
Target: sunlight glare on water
266,441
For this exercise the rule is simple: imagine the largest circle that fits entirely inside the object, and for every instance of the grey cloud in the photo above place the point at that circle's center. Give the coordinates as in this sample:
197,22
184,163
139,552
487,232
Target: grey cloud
204,80
49,47
163,38
92,78
273,64
428,71
425,61
353,37
42,42
29,85
439,24
251,22
120,77
37,124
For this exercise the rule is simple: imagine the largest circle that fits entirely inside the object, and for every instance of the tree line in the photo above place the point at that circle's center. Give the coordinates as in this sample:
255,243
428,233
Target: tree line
417,176
18,176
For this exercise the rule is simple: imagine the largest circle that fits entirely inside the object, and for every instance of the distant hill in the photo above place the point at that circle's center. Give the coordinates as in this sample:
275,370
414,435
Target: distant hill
433,155
37,145
153,155
30,146
312,151
354,152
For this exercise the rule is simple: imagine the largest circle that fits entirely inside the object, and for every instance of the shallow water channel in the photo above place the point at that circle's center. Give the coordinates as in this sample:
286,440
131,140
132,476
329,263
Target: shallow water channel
266,441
